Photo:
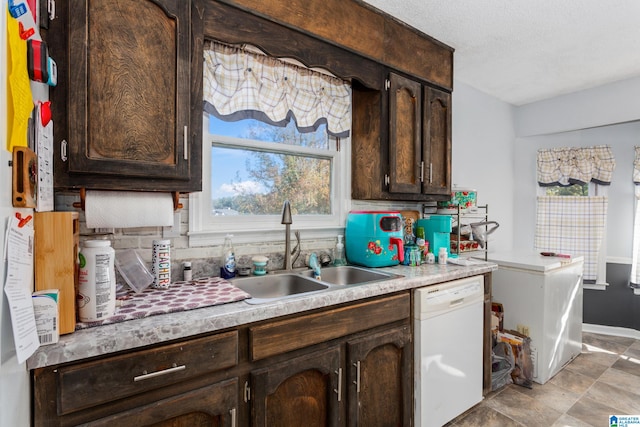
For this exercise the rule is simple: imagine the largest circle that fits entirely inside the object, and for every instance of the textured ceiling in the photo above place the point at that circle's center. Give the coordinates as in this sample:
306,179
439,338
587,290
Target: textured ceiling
521,51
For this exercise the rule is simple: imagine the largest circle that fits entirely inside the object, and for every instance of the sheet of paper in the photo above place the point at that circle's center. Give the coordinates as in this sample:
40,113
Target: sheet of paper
19,283
44,150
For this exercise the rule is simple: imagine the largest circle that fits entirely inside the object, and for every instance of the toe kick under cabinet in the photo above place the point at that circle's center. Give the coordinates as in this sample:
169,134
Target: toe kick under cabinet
344,365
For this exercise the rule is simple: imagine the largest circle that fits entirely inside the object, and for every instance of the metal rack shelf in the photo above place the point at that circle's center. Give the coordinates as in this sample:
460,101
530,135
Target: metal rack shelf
464,218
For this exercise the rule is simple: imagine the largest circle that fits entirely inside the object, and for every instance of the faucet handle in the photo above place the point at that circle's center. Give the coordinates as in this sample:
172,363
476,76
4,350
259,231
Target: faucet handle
286,213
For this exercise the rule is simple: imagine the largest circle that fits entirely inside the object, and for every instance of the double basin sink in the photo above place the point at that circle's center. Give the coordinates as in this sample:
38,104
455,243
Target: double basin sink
277,286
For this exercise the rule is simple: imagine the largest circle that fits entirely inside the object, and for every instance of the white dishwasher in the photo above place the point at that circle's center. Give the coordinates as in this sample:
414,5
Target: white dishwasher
448,350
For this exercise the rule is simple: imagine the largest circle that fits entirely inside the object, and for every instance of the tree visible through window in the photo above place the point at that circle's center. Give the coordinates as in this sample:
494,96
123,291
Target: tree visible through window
256,166
569,190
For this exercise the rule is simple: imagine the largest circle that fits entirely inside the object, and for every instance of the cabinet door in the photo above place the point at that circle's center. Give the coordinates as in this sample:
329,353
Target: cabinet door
210,406
437,141
304,391
129,88
405,103
380,379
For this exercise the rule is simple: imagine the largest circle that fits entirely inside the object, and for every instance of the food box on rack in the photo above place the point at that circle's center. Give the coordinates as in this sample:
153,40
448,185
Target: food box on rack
464,246
466,199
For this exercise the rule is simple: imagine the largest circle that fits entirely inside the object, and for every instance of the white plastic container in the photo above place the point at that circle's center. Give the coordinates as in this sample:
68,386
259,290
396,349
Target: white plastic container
97,281
442,256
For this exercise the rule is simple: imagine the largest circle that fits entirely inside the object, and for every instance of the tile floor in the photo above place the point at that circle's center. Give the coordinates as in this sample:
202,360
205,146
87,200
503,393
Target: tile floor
604,380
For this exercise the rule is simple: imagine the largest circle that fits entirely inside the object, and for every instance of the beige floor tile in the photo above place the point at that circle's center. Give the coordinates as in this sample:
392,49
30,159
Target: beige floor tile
523,409
610,343
591,412
486,417
598,355
633,351
589,365
572,381
629,365
552,395
618,398
621,379
569,421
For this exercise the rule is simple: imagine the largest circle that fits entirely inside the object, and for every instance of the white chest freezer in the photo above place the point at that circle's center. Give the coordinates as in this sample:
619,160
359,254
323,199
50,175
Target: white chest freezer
543,294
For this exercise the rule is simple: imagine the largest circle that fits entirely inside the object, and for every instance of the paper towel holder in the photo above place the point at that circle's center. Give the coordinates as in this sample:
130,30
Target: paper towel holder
83,194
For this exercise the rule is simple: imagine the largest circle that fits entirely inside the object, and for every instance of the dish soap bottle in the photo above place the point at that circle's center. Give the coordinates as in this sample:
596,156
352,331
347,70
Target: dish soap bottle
228,259
338,255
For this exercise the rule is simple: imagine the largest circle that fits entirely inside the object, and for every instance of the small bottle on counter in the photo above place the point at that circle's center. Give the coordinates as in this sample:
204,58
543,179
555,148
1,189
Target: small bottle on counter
187,273
431,258
338,253
442,256
228,259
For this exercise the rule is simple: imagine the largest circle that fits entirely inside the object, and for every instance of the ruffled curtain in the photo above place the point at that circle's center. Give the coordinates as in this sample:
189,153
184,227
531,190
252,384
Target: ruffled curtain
239,84
575,165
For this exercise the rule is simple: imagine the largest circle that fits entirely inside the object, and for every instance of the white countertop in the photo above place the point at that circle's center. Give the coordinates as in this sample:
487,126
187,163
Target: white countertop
152,330
530,260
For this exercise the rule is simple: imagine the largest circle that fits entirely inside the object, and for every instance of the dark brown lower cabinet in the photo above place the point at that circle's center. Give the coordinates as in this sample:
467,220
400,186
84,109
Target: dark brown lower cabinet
366,381
380,379
211,406
304,391
349,365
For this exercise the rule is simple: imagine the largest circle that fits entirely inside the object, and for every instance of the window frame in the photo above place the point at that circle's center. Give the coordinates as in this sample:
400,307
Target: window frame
206,229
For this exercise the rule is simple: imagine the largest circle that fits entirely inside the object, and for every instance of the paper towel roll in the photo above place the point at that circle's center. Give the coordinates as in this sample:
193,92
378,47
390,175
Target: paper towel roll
126,209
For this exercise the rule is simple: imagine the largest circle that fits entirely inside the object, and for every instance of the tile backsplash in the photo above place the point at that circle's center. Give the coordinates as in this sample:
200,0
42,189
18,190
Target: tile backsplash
205,261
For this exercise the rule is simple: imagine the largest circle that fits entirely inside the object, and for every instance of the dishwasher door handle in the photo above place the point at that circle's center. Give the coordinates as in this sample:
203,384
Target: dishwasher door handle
456,302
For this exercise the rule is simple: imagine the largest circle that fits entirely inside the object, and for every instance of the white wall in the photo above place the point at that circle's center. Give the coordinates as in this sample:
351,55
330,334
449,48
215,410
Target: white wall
14,378
483,138
621,138
618,102
608,114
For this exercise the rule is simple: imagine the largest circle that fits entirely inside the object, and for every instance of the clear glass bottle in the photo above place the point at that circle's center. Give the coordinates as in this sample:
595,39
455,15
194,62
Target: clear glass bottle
227,259
338,253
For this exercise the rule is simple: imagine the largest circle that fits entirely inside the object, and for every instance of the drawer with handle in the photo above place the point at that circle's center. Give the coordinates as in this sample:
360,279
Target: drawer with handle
100,381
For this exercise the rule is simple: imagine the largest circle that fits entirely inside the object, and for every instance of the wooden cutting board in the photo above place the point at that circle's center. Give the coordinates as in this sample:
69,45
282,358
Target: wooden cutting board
56,240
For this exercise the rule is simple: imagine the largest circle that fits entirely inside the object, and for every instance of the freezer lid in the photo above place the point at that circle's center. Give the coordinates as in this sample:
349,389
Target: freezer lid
531,260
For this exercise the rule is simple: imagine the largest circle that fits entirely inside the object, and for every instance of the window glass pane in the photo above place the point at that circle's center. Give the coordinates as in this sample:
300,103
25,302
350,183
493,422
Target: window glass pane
570,190
260,131
252,182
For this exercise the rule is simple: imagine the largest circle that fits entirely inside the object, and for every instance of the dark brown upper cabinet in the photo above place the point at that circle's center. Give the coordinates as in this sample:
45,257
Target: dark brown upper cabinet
405,152
405,137
131,81
436,137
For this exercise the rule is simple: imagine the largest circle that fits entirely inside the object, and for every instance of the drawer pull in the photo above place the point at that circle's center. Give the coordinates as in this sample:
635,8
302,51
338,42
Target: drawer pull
146,376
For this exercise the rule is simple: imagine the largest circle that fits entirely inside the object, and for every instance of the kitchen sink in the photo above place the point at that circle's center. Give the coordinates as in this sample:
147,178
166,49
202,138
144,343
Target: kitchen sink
278,286
350,275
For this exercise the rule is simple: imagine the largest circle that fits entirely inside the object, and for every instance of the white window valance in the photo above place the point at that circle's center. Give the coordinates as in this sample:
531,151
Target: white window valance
241,84
575,165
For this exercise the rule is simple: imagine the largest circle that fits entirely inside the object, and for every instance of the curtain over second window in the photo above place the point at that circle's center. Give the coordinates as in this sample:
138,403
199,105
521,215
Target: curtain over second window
575,224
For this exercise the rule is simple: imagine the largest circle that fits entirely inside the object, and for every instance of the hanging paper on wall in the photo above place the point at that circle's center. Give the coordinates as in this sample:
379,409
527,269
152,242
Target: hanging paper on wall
19,97
44,150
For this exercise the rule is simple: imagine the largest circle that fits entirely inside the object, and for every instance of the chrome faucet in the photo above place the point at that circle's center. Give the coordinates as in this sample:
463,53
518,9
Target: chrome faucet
287,221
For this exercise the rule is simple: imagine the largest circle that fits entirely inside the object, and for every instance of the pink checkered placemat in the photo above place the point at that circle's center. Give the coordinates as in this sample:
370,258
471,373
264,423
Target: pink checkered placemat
180,296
